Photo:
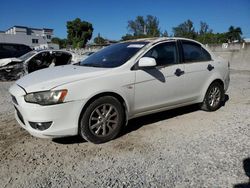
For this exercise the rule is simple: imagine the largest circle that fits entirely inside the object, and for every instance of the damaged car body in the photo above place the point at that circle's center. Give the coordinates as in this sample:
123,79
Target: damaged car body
14,68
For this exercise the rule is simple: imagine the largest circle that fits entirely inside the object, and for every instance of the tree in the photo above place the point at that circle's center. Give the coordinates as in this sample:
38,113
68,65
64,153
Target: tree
99,40
152,26
79,32
143,27
185,29
137,26
234,34
131,37
164,34
61,42
205,34
204,28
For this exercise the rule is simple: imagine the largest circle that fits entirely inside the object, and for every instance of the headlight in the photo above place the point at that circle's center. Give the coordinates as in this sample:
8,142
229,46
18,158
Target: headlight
46,97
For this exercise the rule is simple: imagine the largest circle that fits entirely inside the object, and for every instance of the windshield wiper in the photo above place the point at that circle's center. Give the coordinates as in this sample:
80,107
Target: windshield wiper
91,65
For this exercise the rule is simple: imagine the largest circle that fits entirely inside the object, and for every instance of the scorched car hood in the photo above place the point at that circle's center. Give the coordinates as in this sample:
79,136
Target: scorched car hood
49,78
6,61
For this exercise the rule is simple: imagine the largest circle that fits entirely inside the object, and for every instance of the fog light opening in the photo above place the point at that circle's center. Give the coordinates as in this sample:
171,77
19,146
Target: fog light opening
40,125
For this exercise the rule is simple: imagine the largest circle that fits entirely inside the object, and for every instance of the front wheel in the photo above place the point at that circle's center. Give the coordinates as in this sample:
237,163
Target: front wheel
102,120
213,98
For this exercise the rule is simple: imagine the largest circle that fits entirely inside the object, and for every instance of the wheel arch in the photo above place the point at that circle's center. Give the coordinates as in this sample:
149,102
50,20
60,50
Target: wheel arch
112,94
220,81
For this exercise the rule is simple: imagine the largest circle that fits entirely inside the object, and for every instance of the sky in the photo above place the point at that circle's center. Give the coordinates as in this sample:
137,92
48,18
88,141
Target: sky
110,17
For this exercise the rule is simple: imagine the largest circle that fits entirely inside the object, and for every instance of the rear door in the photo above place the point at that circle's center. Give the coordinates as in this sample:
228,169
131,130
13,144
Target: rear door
198,68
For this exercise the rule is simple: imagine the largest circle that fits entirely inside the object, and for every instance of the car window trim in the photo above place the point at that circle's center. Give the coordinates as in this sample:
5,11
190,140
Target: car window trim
182,52
135,66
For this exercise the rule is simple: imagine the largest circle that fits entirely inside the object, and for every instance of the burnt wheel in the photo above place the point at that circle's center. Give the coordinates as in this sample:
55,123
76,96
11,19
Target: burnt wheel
102,120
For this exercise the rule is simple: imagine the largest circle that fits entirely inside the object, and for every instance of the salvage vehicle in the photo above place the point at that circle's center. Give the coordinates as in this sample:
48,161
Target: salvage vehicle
8,50
14,68
96,98
86,55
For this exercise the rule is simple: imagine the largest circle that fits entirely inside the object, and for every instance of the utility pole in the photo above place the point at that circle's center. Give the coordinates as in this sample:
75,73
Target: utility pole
145,29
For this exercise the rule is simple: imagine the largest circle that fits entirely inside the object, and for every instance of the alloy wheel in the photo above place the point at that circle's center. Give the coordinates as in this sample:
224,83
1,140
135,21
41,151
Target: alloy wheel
103,120
214,96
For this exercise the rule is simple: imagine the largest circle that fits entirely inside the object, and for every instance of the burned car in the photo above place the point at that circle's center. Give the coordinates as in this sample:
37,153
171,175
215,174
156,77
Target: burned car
8,50
86,55
14,68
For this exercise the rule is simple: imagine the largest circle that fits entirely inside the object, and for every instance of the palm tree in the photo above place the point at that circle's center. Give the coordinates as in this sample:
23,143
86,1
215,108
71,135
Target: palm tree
234,34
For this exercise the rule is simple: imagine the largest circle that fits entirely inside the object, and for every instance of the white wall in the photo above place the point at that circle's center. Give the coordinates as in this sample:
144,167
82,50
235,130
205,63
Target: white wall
237,54
22,39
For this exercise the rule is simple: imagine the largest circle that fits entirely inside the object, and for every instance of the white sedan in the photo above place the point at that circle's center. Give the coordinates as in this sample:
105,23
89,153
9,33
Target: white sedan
96,98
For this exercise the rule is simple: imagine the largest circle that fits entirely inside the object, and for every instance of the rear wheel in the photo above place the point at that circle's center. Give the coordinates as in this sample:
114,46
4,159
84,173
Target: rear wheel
102,120
213,98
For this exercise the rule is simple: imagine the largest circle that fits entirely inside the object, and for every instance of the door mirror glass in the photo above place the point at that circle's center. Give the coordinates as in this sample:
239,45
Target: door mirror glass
147,62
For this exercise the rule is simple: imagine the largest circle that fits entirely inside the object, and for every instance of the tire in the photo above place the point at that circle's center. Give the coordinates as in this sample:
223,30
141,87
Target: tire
213,98
102,120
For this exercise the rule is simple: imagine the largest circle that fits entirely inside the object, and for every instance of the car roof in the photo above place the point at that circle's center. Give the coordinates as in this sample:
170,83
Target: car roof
51,50
160,39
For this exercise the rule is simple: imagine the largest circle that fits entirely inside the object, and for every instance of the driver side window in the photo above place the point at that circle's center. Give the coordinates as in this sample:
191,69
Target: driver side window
40,61
164,53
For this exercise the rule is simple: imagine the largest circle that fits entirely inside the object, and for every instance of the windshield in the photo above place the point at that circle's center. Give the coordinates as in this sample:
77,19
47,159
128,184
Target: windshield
27,55
114,55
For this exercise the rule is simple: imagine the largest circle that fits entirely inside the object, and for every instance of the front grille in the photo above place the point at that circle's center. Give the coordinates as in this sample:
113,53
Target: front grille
14,100
19,115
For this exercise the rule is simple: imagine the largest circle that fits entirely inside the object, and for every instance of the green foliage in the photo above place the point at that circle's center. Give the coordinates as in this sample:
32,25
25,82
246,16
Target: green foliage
131,37
79,32
185,29
234,34
143,28
61,42
152,26
137,26
164,34
99,40
212,38
204,28
205,34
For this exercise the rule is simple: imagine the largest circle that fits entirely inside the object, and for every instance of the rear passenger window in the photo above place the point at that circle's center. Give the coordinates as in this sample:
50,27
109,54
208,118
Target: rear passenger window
164,54
193,52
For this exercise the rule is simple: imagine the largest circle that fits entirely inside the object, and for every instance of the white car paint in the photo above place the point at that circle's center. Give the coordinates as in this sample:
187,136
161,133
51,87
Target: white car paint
144,91
6,61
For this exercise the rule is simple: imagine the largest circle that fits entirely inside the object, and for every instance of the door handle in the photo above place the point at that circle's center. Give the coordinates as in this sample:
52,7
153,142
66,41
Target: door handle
179,72
210,67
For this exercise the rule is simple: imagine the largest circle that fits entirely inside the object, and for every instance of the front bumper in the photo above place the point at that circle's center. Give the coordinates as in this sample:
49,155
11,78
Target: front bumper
11,74
64,116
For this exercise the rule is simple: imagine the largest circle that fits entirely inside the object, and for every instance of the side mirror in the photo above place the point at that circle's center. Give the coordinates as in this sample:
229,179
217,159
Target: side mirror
147,62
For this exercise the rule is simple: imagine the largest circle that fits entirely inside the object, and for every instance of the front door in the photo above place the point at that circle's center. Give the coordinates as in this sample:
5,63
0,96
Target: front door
160,86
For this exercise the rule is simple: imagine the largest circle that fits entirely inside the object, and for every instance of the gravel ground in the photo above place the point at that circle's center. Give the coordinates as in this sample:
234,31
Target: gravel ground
185,147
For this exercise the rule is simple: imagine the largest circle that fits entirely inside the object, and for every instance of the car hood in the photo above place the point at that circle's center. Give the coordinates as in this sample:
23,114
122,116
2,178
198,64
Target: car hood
6,61
49,78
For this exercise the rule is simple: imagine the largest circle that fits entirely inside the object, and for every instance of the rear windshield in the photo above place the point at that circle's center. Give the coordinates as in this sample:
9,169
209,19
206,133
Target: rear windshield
114,55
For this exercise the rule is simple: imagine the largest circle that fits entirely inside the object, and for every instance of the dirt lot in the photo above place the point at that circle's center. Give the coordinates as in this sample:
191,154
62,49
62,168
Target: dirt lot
186,147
